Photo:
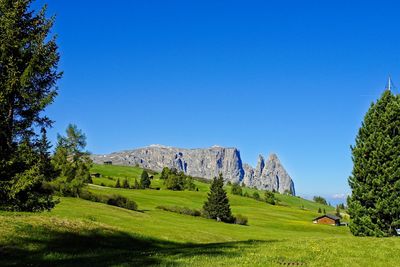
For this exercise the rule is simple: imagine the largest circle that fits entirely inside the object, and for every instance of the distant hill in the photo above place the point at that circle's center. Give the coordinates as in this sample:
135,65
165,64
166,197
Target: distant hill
207,163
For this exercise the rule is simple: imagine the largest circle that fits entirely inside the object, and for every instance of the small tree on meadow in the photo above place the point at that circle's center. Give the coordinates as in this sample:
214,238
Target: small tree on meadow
337,213
71,162
164,173
324,211
118,184
217,205
319,210
136,185
125,183
145,180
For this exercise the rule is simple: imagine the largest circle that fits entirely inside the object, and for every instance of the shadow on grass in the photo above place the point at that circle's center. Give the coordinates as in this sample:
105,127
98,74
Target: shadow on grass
44,247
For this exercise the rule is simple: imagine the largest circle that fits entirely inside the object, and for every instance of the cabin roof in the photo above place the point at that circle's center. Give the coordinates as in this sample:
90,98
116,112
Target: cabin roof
330,216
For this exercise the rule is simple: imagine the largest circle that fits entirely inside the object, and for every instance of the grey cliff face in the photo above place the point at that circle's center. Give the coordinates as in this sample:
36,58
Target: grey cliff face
206,163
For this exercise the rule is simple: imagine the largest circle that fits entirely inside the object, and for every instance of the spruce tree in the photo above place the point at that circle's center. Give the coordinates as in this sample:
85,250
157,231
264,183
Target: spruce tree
374,205
319,210
217,205
28,76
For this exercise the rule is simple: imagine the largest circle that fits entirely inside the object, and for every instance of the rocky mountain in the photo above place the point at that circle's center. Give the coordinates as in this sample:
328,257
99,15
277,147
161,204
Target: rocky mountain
207,163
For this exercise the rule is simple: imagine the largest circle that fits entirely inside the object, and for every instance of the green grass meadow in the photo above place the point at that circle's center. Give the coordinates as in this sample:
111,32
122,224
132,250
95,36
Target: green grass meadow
80,232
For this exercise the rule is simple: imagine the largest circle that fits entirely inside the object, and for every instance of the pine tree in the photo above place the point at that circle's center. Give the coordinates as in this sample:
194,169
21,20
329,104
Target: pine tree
319,210
118,184
324,211
145,180
28,76
217,205
374,205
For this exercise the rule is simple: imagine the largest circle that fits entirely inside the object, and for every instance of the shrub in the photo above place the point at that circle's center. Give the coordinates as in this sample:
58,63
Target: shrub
114,200
246,194
270,197
240,219
256,196
123,202
181,210
236,189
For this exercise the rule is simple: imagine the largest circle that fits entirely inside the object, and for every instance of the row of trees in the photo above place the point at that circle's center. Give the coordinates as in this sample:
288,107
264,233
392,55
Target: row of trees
145,182
237,189
177,181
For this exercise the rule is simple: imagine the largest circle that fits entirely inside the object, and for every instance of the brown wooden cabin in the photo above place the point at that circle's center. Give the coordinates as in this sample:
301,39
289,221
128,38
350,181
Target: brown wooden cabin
327,219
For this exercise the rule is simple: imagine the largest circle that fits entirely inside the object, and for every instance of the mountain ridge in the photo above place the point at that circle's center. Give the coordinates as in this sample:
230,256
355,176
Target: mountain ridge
269,174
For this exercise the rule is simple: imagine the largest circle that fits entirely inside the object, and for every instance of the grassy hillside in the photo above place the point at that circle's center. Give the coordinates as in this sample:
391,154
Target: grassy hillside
87,233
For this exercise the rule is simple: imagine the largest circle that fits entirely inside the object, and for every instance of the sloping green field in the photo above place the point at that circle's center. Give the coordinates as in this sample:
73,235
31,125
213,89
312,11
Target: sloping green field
79,232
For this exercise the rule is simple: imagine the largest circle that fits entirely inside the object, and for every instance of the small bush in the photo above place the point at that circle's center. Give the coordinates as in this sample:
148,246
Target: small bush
240,219
256,195
181,210
102,184
270,197
122,202
114,200
236,189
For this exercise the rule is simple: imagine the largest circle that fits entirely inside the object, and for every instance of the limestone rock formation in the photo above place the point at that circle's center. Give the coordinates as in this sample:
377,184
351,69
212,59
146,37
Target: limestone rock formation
207,163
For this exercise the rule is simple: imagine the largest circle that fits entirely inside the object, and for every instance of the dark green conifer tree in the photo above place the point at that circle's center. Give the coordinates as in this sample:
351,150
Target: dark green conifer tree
217,205
28,76
374,205
145,180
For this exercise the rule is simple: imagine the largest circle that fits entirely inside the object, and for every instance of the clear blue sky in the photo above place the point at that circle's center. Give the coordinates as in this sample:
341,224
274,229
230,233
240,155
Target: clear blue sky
291,77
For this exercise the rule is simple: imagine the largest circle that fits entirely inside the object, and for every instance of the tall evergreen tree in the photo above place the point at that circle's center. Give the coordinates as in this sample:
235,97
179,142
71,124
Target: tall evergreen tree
374,205
28,76
217,205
